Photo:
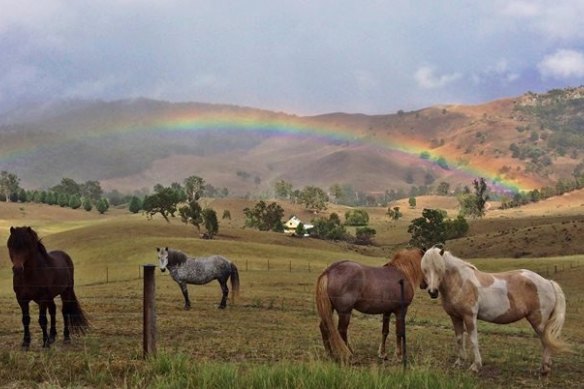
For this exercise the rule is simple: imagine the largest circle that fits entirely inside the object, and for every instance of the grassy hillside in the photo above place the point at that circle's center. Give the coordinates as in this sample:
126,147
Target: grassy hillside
532,141
269,336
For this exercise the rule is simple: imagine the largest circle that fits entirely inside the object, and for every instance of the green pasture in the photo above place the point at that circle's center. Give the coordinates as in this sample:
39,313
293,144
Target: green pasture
268,337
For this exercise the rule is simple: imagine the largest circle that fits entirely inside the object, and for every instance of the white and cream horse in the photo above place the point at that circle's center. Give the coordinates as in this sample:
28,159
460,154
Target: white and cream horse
469,294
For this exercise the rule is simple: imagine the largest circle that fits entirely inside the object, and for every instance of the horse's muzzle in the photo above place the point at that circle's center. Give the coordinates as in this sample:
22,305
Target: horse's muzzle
163,270
433,293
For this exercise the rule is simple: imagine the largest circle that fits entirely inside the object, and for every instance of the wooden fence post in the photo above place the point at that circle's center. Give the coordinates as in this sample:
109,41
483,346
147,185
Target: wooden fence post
149,320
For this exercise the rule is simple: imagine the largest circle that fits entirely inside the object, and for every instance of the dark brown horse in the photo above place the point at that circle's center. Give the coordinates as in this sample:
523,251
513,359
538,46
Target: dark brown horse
347,285
40,276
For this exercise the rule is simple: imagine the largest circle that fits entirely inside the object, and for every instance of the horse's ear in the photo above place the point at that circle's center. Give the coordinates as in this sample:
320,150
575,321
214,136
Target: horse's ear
11,229
167,249
442,252
158,249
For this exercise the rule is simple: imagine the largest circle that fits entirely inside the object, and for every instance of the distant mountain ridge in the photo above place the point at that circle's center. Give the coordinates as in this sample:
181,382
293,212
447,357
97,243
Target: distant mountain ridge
526,142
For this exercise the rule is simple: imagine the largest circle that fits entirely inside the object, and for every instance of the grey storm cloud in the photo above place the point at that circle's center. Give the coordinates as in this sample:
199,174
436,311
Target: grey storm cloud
297,56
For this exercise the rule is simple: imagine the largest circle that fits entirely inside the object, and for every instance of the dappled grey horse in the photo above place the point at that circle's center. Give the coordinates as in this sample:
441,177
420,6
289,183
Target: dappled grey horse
202,270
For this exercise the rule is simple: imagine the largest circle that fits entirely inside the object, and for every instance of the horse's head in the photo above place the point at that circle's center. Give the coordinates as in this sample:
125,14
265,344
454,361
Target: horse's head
433,267
163,258
22,243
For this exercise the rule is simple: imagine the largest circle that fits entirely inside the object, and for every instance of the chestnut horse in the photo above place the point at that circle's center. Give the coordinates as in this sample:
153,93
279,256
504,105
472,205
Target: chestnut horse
40,276
469,294
347,285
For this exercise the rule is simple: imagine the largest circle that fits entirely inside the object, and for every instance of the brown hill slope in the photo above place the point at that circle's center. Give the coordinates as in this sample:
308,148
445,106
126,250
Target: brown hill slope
128,145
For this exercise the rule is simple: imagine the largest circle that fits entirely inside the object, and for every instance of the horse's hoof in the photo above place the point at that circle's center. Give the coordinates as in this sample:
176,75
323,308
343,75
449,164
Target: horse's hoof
25,347
67,341
221,307
382,356
187,307
474,368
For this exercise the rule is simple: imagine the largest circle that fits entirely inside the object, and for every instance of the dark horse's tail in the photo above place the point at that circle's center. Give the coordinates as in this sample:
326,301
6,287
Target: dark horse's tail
73,313
234,281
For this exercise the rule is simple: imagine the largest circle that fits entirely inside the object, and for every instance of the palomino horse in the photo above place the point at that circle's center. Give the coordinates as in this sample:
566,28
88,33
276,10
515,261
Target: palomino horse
469,294
186,270
40,276
346,285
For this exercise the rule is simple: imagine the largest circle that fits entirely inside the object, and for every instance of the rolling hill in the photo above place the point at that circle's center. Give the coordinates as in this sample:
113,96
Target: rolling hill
521,143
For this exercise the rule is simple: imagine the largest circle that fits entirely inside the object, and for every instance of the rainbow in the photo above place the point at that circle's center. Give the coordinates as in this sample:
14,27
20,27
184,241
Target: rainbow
299,127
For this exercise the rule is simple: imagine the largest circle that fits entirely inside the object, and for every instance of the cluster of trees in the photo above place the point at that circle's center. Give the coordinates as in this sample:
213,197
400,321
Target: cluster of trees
434,227
183,199
268,217
67,193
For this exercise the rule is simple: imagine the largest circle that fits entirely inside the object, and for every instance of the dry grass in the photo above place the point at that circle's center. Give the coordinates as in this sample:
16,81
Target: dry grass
272,322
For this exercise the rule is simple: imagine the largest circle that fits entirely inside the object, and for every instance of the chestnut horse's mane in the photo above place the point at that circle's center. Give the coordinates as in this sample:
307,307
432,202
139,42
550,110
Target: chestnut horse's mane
409,262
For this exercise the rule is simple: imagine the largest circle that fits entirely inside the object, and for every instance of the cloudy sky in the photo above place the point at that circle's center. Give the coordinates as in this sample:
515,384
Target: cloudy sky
297,56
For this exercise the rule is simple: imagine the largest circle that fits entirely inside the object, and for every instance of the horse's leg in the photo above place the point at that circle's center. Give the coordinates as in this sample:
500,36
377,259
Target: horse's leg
185,292
458,325
43,323
52,313
24,307
66,324
344,319
546,359
225,291
470,322
400,331
381,353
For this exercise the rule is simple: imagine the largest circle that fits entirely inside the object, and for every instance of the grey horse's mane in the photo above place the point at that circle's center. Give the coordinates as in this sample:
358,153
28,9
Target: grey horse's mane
176,257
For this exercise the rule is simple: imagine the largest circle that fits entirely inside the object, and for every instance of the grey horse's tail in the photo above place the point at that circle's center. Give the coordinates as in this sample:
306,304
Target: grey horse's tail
234,281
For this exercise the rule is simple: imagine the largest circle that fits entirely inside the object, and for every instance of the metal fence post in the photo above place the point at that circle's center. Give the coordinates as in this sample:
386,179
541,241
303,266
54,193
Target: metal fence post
149,320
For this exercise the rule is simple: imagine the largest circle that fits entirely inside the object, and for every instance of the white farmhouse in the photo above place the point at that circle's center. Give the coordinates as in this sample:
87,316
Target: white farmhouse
291,225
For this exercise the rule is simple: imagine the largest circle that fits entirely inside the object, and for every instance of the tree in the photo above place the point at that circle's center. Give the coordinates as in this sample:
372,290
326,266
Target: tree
429,229
67,186
283,189
473,204
314,198
299,231
194,186
135,204
412,202
443,188
329,229
356,217
265,217
102,205
91,190
192,214
63,199
87,205
9,184
226,214
211,222
364,235
74,202
164,202
394,213
434,227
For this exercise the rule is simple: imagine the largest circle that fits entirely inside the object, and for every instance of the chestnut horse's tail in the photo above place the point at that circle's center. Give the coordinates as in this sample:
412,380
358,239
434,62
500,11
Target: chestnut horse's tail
553,327
73,313
338,347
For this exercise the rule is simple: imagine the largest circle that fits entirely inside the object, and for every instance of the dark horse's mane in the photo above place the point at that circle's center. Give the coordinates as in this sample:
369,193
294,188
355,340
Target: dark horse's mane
24,237
176,257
